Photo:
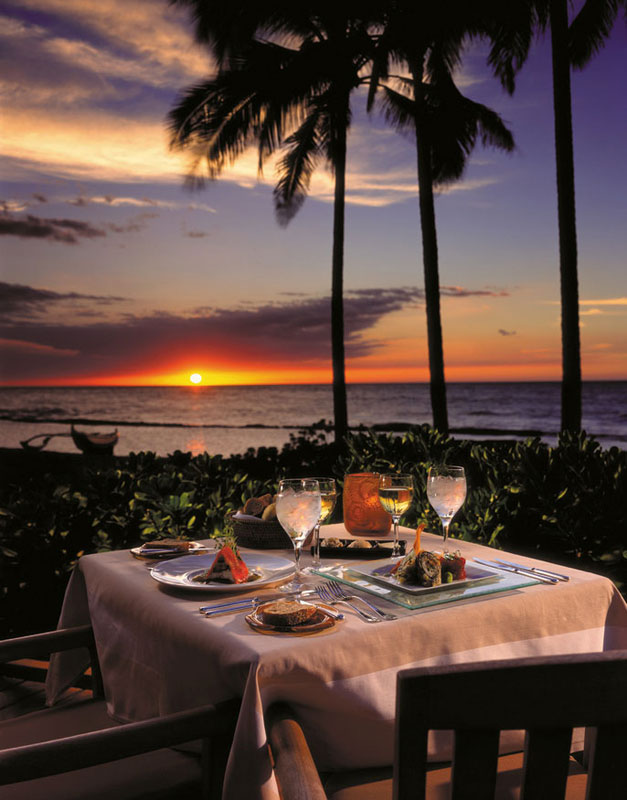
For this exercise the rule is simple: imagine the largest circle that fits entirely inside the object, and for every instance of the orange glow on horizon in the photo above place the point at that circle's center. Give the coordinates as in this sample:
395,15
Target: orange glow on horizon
282,375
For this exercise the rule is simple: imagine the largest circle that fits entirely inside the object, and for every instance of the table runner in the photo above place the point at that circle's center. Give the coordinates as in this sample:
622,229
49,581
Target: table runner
159,655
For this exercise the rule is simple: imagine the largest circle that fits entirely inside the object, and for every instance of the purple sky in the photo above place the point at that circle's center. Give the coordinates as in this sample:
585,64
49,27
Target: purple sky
111,269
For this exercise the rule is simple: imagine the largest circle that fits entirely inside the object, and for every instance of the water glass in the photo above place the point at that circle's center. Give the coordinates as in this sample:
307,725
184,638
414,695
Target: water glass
298,507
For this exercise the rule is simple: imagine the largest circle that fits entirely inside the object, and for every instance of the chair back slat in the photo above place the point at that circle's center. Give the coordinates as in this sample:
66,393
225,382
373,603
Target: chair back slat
546,696
545,768
411,742
475,762
608,763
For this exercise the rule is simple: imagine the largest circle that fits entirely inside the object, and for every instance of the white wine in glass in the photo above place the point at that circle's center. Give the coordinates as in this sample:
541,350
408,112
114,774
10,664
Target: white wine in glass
446,491
298,508
395,494
328,498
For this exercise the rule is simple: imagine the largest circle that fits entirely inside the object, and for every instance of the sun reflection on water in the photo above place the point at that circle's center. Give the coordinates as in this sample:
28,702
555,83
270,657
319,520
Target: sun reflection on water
195,446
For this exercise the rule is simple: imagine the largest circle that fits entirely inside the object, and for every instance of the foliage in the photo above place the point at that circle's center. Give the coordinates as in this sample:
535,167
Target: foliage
564,503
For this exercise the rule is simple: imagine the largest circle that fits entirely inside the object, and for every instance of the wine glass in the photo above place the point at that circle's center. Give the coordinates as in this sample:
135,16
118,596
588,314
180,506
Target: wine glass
298,508
328,497
395,492
446,490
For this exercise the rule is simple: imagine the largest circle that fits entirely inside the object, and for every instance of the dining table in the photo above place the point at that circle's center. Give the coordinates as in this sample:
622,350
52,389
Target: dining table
159,654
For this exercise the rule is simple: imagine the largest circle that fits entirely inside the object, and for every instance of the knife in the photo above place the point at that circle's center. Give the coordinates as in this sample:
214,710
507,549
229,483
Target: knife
539,570
242,601
526,572
244,604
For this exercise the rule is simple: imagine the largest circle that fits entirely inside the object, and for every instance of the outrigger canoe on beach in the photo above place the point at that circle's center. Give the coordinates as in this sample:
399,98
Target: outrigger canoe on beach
101,443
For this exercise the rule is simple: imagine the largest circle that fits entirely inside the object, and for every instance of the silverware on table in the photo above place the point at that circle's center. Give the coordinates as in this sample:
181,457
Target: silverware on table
324,593
338,590
243,601
248,603
518,570
539,570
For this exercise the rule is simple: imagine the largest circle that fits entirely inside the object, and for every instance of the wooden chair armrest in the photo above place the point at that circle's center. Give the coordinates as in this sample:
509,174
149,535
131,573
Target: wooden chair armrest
88,749
294,766
42,644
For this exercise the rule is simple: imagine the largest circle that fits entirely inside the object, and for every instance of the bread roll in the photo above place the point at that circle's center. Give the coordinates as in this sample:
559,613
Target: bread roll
269,512
254,506
285,613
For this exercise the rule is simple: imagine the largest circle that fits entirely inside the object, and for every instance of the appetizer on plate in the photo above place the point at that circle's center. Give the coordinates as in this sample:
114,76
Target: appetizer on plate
228,567
424,568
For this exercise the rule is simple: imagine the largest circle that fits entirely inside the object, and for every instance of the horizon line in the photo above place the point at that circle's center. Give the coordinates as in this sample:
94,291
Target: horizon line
269,385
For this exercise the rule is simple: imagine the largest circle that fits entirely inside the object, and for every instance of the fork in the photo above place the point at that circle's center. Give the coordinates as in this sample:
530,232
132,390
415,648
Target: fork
324,593
337,590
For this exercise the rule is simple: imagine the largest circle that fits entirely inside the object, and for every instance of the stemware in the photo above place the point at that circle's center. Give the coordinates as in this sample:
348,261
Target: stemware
446,491
298,508
395,492
328,498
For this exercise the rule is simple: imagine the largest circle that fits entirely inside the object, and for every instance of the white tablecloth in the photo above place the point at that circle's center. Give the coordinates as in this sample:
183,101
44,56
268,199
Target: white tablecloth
159,655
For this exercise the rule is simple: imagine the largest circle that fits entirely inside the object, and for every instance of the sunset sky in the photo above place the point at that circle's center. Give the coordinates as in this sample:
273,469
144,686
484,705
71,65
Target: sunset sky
113,272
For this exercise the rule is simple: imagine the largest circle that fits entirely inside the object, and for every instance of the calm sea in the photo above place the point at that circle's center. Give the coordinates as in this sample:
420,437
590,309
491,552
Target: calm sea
230,419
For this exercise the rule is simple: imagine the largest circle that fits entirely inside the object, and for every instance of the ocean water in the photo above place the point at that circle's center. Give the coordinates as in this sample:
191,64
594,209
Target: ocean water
230,419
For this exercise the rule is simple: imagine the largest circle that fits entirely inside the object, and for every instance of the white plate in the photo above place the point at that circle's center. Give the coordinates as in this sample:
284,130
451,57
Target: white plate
180,572
377,570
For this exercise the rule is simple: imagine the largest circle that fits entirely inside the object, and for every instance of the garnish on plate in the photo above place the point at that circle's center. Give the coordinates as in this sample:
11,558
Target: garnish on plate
453,567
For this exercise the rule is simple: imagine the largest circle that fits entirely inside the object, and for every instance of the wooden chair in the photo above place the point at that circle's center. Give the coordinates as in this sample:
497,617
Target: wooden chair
65,752
546,697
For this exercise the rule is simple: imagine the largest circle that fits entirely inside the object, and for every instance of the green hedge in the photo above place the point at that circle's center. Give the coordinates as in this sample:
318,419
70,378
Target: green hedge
565,503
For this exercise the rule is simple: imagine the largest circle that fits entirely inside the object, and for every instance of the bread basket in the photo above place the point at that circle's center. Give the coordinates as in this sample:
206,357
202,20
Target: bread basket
260,535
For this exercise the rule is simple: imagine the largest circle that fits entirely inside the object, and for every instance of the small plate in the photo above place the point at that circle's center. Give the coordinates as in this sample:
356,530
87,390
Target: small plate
180,572
195,549
380,571
320,621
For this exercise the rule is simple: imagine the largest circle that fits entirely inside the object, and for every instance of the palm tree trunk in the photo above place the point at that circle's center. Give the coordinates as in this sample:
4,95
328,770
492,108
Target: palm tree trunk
340,412
430,264
569,288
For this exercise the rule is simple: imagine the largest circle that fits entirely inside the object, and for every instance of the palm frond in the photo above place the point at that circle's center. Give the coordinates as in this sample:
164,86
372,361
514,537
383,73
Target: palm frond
398,109
452,124
261,97
296,167
590,29
511,35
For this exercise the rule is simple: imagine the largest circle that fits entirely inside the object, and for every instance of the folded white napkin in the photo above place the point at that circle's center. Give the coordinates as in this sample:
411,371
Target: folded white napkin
247,517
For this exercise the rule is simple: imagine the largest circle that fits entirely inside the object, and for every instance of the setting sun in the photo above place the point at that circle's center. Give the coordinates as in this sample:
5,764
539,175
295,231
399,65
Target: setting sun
195,377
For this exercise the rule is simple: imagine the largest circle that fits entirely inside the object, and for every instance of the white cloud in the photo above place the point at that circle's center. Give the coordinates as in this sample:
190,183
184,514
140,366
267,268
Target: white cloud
61,127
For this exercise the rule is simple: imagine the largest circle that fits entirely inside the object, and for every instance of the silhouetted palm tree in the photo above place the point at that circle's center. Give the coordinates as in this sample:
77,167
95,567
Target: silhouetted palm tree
574,45
428,39
281,95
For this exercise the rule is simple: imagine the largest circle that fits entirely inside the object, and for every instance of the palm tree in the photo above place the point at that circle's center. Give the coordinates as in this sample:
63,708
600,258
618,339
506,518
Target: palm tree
429,40
278,96
574,45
